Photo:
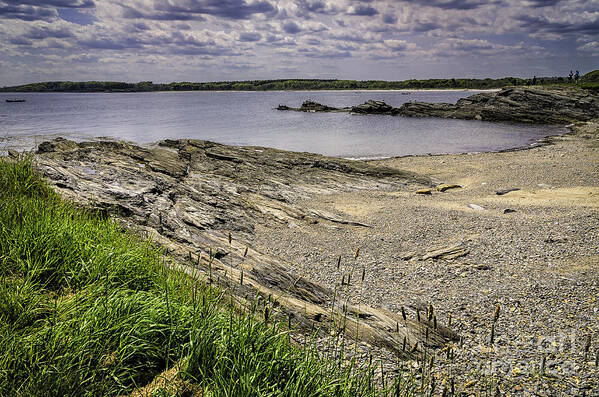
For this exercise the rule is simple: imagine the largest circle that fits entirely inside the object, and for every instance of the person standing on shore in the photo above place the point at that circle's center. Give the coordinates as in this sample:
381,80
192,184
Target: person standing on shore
576,76
570,77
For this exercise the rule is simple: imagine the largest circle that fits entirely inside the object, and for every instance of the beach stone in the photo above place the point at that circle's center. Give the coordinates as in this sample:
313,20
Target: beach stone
447,186
508,211
424,191
505,191
476,207
451,252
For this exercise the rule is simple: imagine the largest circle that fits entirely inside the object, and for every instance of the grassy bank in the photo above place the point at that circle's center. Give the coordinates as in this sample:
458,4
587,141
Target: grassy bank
87,308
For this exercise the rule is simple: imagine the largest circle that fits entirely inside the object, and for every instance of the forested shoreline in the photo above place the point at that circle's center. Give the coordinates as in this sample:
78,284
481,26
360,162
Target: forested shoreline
278,85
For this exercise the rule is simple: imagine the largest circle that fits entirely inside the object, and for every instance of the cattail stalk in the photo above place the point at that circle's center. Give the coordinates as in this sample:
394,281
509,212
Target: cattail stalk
496,313
543,362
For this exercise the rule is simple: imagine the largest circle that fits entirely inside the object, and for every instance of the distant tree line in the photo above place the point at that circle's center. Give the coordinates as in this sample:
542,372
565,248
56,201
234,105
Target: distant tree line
276,85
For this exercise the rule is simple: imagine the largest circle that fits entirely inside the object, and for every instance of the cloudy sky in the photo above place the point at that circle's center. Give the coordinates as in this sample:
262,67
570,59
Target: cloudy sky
208,40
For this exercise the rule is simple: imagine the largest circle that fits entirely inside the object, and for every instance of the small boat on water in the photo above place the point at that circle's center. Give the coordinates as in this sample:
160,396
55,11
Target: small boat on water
15,100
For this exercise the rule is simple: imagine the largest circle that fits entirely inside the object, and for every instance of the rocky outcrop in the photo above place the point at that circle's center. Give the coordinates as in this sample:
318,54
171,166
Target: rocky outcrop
201,201
312,107
519,104
515,104
374,107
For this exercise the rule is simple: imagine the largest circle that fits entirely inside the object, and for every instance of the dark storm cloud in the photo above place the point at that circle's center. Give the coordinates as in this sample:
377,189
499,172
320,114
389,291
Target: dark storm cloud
363,10
542,3
20,41
141,26
110,44
291,27
540,24
26,12
317,7
194,9
277,41
43,32
390,18
132,13
54,3
426,26
205,51
250,36
43,10
355,38
346,47
452,4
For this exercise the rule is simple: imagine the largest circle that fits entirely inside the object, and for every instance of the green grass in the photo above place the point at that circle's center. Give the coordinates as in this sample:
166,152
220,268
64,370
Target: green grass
87,308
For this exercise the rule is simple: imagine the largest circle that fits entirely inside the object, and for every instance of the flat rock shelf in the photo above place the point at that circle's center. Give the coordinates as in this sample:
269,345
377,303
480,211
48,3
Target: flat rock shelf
202,201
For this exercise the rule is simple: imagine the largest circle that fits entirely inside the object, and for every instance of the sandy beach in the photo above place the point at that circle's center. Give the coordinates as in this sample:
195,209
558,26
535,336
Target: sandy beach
534,251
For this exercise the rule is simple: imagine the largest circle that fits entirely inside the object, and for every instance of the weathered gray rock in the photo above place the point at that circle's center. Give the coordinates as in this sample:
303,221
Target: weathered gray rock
374,107
451,252
188,195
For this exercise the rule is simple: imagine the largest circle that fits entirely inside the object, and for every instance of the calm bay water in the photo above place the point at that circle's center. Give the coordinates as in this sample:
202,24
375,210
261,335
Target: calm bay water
249,118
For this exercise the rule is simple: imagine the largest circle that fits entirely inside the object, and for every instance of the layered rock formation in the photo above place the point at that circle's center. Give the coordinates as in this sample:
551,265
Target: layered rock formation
202,200
516,104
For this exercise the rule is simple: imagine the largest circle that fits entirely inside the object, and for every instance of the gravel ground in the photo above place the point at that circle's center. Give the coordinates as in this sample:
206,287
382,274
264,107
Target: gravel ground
540,263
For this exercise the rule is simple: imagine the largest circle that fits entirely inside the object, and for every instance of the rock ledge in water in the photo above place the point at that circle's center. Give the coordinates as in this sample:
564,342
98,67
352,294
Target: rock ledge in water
557,105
